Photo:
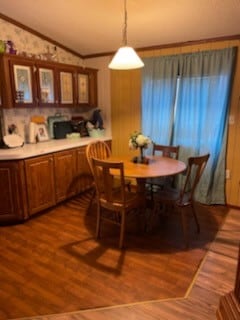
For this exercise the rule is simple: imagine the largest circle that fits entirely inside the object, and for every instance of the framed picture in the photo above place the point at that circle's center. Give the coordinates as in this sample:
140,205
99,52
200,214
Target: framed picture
23,81
41,132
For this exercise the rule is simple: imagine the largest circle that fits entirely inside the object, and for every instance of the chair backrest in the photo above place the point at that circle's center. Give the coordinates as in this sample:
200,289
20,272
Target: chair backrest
103,171
97,149
195,168
166,151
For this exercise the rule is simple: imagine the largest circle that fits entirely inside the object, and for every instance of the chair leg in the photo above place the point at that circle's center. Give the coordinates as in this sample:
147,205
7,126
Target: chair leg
195,218
185,228
98,221
93,195
122,229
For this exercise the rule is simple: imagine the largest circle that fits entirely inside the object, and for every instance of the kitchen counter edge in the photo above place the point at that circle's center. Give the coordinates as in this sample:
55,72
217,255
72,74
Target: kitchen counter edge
41,148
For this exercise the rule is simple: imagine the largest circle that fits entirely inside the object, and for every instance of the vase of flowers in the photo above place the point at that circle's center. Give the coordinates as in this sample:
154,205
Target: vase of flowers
139,141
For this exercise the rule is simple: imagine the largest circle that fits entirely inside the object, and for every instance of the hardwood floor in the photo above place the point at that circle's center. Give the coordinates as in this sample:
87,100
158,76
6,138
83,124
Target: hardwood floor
46,261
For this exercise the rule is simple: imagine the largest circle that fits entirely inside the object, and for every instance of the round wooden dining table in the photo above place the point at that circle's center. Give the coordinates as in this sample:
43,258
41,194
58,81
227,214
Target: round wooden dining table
157,166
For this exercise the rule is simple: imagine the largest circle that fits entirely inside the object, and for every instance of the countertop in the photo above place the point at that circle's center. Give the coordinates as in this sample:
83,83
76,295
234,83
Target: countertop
41,148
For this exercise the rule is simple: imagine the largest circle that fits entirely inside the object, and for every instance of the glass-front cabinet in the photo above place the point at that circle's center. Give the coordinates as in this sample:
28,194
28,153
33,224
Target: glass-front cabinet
83,88
22,83
66,87
47,91
27,82
87,87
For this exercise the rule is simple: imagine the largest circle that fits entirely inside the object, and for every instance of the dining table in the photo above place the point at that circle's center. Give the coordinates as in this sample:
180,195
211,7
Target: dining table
155,166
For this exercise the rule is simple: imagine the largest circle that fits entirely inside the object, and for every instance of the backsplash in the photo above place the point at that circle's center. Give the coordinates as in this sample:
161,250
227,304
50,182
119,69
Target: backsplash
20,118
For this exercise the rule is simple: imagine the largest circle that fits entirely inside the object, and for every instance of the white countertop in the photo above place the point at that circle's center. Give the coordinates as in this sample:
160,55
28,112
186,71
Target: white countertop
41,148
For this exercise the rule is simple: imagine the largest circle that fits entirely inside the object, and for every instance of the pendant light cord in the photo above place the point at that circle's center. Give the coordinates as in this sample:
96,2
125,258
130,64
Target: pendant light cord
124,33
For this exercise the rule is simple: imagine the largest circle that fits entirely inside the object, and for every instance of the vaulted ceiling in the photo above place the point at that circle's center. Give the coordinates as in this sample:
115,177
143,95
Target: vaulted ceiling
95,26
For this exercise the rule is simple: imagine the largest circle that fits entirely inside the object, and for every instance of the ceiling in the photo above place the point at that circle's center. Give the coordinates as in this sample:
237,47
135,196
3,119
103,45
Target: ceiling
91,27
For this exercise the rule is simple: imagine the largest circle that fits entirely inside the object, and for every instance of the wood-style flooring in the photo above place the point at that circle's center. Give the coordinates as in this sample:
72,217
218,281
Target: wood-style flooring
52,267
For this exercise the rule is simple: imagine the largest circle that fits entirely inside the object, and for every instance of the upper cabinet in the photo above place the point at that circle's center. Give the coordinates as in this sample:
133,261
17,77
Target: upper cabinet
67,91
27,82
47,90
87,87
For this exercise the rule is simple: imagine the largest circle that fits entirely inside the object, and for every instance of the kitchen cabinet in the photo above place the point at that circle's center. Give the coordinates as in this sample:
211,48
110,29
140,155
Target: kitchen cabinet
31,185
84,178
67,89
27,82
47,87
13,200
40,183
77,86
65,172
86,87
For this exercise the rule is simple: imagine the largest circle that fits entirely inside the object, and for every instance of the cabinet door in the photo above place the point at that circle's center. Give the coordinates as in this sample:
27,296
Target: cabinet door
13,203
66,81
83,176
65,171
86,87
23,83
82,88
40,183
93,93
47,86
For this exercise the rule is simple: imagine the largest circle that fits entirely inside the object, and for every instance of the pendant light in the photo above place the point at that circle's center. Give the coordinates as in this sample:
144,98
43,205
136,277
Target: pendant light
125,58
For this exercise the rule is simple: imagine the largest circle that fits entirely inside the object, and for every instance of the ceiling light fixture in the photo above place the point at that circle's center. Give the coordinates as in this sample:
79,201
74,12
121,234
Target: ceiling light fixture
125,58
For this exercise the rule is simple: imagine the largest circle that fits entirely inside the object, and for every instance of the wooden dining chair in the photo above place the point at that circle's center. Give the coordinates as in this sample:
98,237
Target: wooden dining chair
154,184
114,204
183,199
100,150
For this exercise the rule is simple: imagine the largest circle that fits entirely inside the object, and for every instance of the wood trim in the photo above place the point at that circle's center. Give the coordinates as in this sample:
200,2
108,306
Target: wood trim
171,45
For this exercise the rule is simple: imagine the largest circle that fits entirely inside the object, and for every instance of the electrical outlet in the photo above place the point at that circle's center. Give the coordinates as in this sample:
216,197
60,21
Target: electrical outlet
227,174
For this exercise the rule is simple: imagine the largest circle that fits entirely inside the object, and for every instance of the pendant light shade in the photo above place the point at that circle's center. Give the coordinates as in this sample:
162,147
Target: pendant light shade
125,58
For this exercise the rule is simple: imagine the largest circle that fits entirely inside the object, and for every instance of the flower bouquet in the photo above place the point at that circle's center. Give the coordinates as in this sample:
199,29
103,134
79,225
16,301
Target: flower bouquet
138,140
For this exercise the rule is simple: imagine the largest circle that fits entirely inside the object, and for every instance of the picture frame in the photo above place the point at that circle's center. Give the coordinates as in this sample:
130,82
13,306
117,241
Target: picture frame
41,132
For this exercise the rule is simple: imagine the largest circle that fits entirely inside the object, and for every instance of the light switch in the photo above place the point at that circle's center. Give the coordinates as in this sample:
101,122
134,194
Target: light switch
231,119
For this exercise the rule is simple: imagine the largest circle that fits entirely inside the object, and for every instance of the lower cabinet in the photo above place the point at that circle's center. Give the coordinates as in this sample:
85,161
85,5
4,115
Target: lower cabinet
83,178
65,172
40,183
13,198
35,184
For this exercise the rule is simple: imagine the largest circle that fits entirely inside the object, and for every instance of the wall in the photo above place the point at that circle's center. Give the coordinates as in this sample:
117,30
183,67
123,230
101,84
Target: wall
32,45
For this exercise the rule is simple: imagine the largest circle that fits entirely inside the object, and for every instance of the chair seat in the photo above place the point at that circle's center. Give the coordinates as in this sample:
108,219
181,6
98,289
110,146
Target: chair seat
172,195
131,199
